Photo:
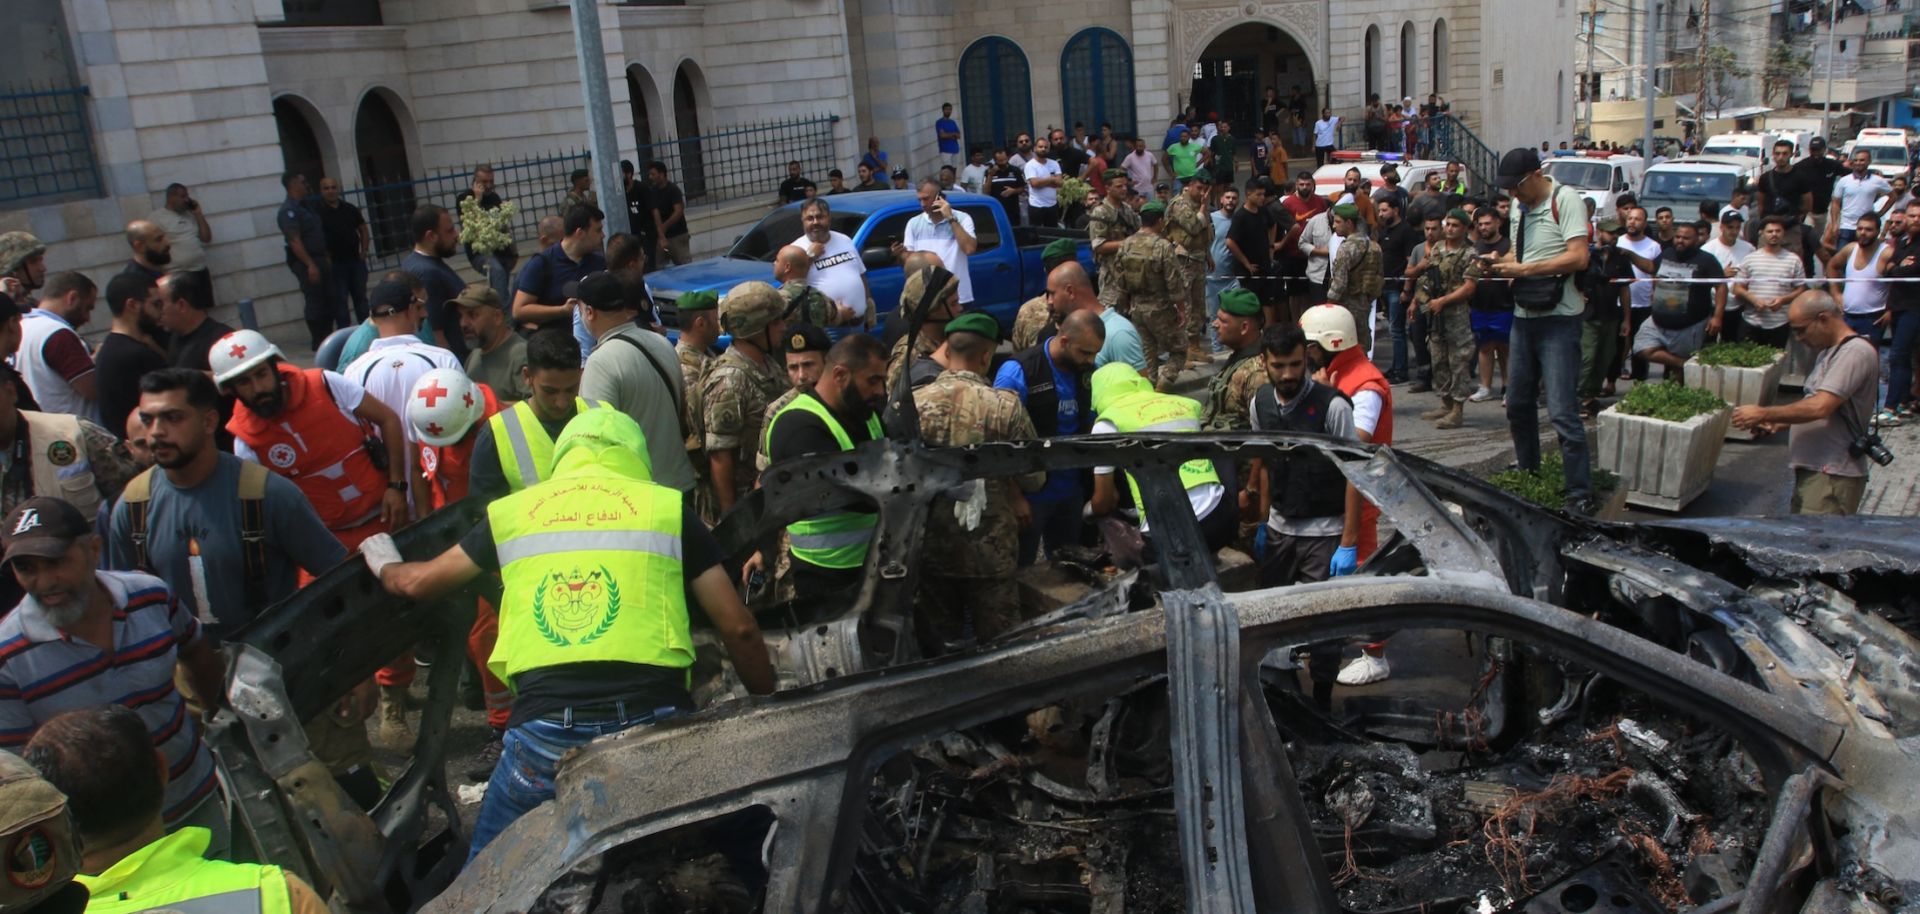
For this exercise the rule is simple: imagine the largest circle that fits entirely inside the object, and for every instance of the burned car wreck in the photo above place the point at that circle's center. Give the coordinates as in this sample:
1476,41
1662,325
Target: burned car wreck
1713,716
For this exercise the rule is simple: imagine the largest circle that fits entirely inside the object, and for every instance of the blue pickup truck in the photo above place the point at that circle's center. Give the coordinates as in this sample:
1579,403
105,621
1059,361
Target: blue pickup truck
1006,268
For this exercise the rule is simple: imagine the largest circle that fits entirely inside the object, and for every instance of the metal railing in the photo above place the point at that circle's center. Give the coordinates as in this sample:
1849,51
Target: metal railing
46,146
738,163
1443,137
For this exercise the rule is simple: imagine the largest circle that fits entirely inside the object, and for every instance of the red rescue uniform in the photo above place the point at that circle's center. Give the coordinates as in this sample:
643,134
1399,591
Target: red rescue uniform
1351,372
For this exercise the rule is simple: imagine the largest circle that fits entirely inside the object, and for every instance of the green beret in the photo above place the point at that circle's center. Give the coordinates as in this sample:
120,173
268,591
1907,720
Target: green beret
1240,303
1113,173
1062,248
975,322
1347,211
1153,208
697,301
1460,214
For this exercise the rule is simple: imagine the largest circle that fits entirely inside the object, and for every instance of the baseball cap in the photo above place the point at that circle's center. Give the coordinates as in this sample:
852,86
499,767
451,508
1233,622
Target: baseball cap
1729,214
1610,225
43,527
389,297
1516,165
37,837
479,295
600,290
900,174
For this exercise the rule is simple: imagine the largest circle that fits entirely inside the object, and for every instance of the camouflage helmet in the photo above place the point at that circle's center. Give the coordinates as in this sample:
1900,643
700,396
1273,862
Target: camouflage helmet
16,248
750,308
915,289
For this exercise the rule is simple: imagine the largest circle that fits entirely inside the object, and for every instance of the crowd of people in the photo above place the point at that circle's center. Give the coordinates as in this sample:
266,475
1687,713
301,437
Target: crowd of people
168,485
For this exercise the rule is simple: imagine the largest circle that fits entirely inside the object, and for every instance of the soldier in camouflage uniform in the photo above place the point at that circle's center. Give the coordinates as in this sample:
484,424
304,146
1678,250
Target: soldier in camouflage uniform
967,588
1444,284
1148,273
1229,392
945,308
805,304
1035,317
699,330
1190,228
739,385
1109,224
1353,279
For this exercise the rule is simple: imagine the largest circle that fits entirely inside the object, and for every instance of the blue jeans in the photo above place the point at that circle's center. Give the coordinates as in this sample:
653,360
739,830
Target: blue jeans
524,777
1548,348
1397,327
1906,332
350,281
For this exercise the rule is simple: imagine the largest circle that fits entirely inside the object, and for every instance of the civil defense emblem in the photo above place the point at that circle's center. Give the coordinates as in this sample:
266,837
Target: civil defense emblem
575,607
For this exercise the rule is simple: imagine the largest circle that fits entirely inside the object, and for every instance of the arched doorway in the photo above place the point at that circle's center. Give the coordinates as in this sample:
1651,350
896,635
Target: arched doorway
641,99
996,93
300,130
686,122
1409,47
1372,61
1237,66
380,146
1096,75
1441,52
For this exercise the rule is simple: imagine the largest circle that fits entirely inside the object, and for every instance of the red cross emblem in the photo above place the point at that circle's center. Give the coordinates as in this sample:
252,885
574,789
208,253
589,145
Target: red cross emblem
433,428
433,394
238,351
468,398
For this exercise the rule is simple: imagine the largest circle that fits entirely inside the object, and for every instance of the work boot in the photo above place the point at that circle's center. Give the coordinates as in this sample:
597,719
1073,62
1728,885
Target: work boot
394,734
1438,412
481,770
1455,417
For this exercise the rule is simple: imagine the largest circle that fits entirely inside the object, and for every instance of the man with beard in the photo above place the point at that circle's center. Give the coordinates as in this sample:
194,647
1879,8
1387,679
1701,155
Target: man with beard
1050,380
312,426
51,355
397,358
188,235
128,631
1043,187
837,271
496,356
841,412
1683,314
434,240
151,250
130,348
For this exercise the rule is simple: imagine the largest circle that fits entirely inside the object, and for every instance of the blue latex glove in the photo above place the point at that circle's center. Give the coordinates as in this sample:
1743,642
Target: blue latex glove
1345,560
1260,543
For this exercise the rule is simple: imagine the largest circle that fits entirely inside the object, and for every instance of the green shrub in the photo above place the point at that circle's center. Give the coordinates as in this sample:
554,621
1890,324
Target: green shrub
1547,486
1738,355
1671,402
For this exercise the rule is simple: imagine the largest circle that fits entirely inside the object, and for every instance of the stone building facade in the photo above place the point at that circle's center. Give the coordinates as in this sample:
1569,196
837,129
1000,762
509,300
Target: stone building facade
223,95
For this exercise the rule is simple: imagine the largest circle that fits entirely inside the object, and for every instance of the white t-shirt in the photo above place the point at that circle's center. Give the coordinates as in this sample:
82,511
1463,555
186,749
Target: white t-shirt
1647,247
923,234
1208,131
1729,256
1140,167
838,272
1856,196
1327,132
346,395
390,366
1367,405
1042,197
973,177
1204,497
55,393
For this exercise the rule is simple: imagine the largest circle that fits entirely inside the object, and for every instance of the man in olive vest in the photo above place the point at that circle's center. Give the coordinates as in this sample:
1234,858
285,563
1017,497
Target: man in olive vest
515,447
842,411
103,760
1127,403
594,539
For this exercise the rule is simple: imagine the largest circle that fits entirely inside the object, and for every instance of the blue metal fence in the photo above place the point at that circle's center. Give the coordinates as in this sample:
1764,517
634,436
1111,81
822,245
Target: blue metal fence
46,145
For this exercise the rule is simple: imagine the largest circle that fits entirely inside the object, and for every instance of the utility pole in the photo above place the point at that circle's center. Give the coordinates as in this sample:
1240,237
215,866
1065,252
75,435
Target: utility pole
1701,80
599,104
1653,29
1592,87
1826,105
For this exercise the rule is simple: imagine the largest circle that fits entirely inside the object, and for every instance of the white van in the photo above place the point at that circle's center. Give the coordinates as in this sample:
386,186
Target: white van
1330,180
1684,184
1887,150
1748,144
1599,176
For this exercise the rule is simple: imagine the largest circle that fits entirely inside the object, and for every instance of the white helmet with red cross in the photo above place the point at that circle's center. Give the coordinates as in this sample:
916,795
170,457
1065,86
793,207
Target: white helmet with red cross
445,404
238,352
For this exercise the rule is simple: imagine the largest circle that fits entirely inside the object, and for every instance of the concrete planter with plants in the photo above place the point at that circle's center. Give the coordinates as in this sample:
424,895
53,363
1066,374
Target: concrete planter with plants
1664,441
1743,374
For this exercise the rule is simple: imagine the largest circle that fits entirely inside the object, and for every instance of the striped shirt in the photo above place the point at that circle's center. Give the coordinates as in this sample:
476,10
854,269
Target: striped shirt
45,671
1770,276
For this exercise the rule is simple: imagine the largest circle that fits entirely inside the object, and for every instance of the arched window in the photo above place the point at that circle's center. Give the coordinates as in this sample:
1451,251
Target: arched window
996,97
1409,47
1441,56
1096,72
1372,60
686,122
380,145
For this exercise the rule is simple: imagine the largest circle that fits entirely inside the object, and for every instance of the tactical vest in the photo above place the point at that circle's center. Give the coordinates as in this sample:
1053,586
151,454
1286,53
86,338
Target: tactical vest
447,468
60,467
590,571
1218,387
837,540
1304,482
1043,397
170,875
314,444
1147,411
525,448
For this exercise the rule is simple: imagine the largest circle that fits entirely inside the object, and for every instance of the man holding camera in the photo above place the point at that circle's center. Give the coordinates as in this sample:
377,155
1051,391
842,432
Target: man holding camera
1829,440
